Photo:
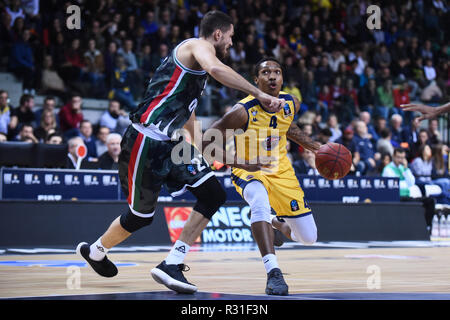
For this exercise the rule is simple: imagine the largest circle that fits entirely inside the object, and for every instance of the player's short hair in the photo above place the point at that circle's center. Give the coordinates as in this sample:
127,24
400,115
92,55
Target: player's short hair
260,62
214,20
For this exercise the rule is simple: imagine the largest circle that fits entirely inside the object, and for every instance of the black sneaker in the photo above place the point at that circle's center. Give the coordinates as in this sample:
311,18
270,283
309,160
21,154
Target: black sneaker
276,284
171,275
278,238
104,267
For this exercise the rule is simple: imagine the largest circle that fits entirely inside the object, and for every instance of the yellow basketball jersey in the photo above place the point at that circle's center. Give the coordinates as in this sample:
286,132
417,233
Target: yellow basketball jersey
265,133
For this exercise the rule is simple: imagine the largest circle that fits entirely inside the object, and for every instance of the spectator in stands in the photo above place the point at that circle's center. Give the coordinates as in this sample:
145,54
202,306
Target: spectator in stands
384,144
110,159
72,68
440,161
72,158
423,139
396,129
54,138
70,116
398,168
333,125
21,62
385,99
95,67
100,142
47,125
410,134
121,84
26,134
159,56
86,133
110,57
324,135
348,140
21,115
365,148
114,118
306,164
132,67
49,104
150,25
367,96
51,82
385,159
434,135
5,112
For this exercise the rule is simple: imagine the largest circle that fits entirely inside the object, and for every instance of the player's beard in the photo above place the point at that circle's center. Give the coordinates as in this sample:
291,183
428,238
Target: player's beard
221,52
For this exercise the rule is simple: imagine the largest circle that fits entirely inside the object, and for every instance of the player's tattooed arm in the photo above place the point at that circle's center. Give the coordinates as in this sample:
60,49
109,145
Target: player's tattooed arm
215,138
295,134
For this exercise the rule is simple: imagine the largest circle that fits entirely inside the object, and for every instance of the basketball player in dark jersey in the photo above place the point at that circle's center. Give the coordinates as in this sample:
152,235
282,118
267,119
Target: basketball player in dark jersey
145,163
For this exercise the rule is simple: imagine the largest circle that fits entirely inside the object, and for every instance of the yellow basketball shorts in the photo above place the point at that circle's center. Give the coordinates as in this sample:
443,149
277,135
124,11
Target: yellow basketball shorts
286,197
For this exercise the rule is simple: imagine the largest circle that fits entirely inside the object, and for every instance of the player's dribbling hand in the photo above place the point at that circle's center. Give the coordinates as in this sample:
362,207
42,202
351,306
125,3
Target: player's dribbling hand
270,103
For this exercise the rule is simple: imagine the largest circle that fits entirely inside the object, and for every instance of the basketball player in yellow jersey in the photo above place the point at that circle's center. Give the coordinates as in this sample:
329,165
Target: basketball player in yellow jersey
277,188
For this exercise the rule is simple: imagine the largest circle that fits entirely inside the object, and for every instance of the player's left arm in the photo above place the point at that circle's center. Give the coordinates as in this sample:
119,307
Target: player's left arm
295,134
194,129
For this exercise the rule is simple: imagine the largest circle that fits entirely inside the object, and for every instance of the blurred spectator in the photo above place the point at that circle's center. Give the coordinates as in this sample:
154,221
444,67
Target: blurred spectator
121,83
396,129
385,159
159,56
51,82
70,116
410,134
46,126
72,158
384,144
21,115
422,140
72,68
385,99
110,159
21,62
348,140
398,168
333,125
95,66
365,148
367,96
15,11
306,164
54,138
49,104
324,136
5,112
110,62
434,136
114,118
100,142
440,161
3,137
26,134
149,23
86,133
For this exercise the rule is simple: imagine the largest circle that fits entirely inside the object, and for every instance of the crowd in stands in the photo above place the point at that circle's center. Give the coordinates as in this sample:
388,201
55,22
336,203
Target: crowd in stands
351,79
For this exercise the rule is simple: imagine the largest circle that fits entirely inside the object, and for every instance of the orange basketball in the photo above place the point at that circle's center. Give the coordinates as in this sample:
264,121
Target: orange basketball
333,161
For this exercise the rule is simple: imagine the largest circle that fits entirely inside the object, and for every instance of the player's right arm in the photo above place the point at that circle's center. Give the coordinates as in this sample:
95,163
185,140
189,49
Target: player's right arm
214,139
205,54
427,112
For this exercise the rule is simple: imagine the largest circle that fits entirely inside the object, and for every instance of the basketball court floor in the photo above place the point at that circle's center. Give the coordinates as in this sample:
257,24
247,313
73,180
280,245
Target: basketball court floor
403,270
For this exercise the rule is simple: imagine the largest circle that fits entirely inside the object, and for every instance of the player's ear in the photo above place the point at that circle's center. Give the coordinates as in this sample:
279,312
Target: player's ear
217,35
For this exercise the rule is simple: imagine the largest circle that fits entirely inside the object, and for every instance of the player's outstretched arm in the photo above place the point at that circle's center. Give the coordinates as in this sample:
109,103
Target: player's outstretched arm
295,134
204,53
427,112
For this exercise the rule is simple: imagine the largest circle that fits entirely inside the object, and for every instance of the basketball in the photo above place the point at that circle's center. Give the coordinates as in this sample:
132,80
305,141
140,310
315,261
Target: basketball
333,161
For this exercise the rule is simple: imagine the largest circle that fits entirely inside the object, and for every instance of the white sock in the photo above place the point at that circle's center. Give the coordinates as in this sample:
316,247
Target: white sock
177,253
97,250
270,262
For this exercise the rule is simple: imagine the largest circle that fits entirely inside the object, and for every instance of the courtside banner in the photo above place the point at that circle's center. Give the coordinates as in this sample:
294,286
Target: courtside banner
230,224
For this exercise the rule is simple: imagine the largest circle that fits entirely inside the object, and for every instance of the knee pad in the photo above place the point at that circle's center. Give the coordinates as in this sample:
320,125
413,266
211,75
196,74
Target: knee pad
210,197
256,196
131,222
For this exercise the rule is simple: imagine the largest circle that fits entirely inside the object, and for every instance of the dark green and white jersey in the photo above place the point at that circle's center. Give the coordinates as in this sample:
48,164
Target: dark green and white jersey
171,97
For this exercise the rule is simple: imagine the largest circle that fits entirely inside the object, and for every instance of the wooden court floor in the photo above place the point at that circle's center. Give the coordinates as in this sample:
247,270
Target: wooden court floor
374,270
